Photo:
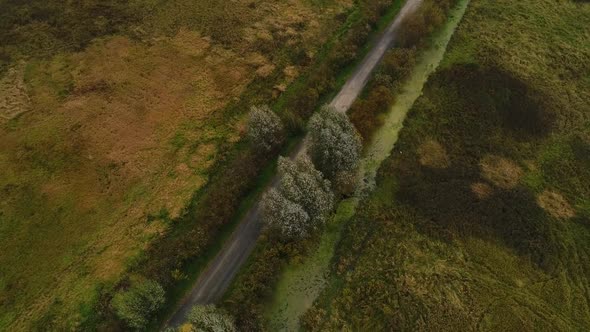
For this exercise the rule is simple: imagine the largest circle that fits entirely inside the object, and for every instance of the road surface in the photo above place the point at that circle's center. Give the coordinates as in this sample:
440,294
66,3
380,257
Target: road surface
218,275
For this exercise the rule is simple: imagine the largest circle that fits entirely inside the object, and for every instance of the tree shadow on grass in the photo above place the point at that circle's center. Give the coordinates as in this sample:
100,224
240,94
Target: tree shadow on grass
487,112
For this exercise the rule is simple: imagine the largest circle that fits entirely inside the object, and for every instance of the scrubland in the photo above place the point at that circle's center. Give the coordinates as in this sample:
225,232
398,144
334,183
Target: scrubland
480,218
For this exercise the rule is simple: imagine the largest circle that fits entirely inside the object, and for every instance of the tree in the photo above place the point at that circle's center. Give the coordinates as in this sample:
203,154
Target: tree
289,217
136,305
208,318
336,145
301,202
265,129
303,184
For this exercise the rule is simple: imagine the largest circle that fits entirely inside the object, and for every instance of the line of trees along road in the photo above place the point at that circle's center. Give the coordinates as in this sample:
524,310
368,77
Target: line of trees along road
333,152
304,197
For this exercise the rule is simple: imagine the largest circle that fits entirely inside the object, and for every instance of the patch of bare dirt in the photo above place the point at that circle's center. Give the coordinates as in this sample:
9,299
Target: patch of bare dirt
555,204
500,171
433,154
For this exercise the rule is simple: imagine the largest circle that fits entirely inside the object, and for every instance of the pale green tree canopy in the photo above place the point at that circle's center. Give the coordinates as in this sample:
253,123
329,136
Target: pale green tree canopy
335,144
208,318
265,129
302,201
136,305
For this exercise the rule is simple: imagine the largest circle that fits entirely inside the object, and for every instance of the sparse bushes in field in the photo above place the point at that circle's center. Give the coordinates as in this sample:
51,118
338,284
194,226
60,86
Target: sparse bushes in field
303,200
265,129
208,318
137,305
335,143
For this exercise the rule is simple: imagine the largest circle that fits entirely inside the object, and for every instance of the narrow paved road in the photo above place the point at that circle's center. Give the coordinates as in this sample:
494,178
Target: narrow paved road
218,275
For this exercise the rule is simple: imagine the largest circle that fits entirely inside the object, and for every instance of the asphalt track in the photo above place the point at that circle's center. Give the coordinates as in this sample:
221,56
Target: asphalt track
217,276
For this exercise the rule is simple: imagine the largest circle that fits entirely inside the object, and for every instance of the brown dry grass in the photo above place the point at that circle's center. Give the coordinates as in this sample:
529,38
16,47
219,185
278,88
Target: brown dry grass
555,204
117,132
482,190
432,154
14,99
500,171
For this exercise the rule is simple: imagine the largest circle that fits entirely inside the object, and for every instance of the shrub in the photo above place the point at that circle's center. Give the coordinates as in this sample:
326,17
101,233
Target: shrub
335,143
208,318
265,128
398,63
422,22
364,113
306,102
136,305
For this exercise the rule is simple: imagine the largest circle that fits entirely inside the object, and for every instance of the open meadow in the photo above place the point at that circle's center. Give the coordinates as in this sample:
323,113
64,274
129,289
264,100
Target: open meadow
112,116
481,216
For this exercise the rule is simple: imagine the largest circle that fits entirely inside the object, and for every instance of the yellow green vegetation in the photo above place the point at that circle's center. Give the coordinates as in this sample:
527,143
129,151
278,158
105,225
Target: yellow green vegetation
480,220
113,115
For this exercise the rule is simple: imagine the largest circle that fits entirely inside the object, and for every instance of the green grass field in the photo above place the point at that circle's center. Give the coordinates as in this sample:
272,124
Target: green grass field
480,220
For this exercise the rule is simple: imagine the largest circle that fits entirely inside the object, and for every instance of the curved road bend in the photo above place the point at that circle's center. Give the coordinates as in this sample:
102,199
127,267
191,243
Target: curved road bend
217,276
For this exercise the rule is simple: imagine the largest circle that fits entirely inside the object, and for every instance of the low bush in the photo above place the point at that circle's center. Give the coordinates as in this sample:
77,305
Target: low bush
208,318
202,222
364,113
421,23
265,129
136,305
